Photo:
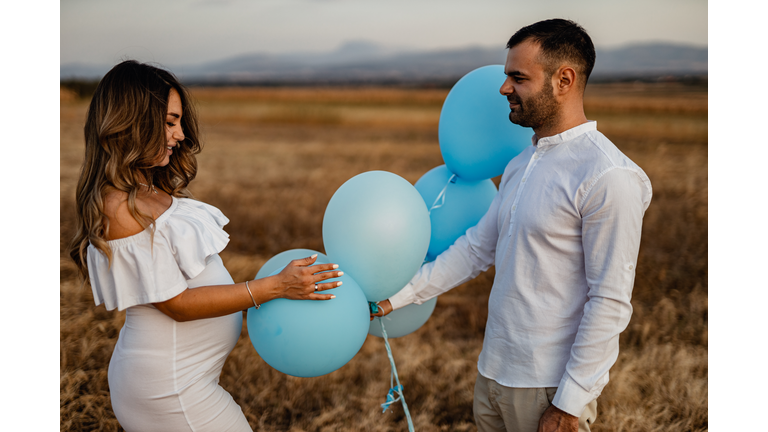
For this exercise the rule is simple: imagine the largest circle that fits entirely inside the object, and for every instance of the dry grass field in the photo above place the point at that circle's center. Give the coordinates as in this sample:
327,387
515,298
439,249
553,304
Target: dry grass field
273,158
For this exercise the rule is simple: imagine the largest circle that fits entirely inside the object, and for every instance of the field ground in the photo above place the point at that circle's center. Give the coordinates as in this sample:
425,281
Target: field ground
273,158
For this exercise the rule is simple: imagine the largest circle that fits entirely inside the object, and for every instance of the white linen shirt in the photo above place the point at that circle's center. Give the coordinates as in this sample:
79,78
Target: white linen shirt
564,233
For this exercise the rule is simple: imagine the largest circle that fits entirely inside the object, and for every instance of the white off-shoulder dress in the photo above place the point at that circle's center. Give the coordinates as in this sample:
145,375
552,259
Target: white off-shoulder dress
164,375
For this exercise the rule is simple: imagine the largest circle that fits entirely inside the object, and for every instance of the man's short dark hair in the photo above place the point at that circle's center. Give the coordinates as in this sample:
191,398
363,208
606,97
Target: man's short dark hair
561,41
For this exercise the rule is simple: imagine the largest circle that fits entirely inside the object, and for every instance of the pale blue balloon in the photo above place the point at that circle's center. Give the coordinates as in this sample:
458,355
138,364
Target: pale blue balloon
310,338
463,205
477,140
403,321
282,259
376,228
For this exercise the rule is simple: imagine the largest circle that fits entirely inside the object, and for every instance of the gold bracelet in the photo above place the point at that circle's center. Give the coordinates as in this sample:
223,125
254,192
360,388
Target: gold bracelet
251,294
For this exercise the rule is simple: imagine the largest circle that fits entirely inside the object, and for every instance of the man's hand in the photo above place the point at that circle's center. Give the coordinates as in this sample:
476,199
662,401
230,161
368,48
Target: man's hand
556,420
385,308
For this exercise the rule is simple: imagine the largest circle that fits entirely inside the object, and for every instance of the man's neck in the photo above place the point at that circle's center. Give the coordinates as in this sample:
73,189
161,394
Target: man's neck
570,115
558,127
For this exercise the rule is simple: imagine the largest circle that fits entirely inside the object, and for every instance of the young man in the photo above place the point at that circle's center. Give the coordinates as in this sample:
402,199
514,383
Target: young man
563,232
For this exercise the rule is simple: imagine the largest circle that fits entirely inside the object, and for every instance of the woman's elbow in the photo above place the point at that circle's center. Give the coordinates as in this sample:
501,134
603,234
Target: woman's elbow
174,309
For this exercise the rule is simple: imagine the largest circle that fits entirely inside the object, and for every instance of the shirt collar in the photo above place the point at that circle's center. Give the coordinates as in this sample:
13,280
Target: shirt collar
562,137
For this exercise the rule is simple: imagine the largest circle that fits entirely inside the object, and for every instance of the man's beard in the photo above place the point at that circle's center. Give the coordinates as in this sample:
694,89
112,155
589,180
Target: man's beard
535,111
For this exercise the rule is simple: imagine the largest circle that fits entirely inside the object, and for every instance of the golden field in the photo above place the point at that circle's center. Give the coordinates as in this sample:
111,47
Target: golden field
273,157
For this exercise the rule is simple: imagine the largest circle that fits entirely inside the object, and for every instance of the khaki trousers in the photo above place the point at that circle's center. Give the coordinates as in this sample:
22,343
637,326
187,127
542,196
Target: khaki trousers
498,408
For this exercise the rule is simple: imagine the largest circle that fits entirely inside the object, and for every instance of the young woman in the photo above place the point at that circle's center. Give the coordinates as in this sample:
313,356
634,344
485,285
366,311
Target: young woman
146,247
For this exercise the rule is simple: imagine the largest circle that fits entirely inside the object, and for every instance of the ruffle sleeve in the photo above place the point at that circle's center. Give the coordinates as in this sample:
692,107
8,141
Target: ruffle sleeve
142,271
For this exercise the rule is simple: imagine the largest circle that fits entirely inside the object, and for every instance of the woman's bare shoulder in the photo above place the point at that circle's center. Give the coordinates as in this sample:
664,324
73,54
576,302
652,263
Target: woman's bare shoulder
121,222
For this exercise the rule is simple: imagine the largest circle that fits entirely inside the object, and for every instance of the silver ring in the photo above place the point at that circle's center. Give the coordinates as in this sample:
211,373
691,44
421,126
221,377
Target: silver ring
315,287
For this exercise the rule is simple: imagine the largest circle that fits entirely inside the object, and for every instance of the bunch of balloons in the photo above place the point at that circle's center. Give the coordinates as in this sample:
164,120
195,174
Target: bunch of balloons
477,141
380,229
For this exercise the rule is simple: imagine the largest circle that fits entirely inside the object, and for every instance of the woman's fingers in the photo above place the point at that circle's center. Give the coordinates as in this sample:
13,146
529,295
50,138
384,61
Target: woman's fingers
328,275
315,296
327,286
304,280
304,262
317,268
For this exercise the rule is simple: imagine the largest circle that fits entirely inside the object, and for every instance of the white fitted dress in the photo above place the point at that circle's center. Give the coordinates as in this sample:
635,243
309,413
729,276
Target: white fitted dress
164,375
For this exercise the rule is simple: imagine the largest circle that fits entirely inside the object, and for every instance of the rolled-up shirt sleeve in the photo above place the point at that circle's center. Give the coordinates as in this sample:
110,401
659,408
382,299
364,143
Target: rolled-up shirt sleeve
470,254
612,214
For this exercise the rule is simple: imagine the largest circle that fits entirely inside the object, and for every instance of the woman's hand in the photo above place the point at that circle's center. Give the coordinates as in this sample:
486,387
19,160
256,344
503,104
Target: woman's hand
300,280
385,308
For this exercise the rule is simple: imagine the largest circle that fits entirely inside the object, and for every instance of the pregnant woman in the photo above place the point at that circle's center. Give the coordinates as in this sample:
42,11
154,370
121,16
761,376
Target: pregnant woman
146,247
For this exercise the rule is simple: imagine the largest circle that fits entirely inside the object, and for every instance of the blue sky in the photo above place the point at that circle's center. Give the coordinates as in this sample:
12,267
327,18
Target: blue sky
195,31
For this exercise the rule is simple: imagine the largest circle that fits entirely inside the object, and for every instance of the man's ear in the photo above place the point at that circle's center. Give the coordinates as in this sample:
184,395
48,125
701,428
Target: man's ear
565,80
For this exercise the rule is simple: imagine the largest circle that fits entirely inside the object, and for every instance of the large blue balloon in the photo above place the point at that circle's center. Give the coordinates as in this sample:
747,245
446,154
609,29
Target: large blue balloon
403,321
309,338
376,228
282,259
477,140
463,205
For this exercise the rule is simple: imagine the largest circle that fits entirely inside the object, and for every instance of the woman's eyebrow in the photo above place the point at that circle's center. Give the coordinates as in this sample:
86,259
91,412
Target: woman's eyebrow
174,115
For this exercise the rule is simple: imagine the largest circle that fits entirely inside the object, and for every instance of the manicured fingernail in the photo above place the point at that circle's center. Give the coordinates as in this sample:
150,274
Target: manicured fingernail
333,296
314,256
335,266
339,283
340,274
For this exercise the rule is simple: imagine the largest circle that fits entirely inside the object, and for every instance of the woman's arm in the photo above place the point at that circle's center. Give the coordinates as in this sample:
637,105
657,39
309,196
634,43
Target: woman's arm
296,282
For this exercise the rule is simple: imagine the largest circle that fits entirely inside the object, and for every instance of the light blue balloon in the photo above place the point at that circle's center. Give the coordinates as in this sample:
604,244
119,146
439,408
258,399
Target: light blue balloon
310,338
376,228
403,321
477,140
463,205
282,259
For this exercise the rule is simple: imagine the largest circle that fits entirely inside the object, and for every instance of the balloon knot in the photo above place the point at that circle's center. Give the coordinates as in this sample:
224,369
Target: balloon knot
391,397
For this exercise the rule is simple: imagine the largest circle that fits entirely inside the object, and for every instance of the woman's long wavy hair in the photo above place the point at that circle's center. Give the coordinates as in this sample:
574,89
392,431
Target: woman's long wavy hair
125,136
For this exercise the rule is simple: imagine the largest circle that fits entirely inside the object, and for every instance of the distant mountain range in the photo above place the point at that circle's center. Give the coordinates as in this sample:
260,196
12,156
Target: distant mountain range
365,62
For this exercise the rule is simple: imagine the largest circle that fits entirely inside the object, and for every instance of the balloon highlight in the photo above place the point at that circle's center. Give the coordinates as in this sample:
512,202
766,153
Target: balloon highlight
376,228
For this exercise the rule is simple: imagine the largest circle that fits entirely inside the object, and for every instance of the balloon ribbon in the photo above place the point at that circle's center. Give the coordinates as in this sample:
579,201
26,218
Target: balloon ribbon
441,196
394,389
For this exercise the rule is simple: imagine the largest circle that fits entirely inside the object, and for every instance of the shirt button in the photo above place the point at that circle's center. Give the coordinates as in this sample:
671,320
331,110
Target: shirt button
523,179
535,156
631,266
514,207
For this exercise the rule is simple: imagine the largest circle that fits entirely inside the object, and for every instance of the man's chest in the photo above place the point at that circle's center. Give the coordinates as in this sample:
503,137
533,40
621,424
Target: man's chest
541,200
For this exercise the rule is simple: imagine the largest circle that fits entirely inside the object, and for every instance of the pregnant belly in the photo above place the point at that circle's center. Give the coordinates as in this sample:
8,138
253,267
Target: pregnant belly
157,356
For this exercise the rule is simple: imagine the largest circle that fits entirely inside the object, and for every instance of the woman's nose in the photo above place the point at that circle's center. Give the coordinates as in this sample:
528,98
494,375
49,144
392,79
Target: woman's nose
178,134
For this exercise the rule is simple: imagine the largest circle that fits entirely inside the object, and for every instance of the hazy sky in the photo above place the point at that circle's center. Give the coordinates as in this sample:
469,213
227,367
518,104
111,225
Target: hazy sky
194,31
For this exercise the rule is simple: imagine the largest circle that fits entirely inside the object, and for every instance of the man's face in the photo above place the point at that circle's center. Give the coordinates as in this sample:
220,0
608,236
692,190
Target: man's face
528,88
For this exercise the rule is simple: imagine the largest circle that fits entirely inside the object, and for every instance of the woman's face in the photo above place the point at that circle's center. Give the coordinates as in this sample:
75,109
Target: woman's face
173,132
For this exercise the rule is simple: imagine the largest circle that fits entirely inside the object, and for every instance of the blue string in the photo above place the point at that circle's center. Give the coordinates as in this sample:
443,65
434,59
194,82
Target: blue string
394,389
441,196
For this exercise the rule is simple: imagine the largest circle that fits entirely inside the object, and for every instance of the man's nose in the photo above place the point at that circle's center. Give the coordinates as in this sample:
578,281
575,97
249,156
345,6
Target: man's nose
507,88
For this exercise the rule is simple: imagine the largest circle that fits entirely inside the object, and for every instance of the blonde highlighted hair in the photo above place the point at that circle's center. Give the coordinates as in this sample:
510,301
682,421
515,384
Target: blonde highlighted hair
125,134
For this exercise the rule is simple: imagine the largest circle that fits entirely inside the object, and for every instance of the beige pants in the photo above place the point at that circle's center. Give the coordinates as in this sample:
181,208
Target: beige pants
500,408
